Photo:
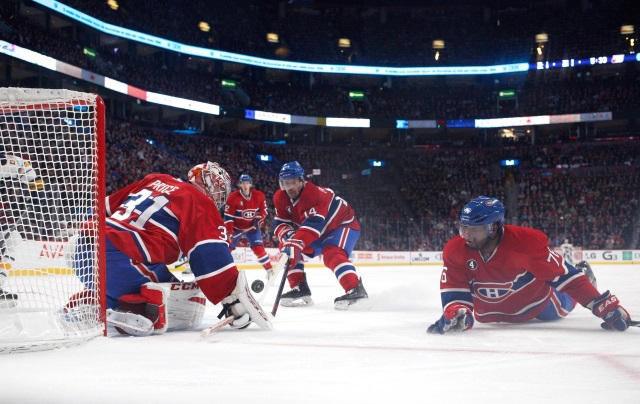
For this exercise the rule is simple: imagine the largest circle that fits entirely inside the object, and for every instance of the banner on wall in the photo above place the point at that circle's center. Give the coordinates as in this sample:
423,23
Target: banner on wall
54,257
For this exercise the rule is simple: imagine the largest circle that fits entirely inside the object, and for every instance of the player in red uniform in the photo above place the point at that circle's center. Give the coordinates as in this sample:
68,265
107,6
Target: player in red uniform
502,273
149,224
246,209
313,220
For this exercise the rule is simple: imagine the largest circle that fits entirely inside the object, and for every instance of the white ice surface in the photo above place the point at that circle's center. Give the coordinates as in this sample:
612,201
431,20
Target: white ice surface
319,355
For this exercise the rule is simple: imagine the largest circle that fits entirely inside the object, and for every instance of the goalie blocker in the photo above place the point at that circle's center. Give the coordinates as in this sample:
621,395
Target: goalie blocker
159,307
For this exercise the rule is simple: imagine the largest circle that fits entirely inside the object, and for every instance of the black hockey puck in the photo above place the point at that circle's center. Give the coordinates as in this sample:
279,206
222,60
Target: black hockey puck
257,286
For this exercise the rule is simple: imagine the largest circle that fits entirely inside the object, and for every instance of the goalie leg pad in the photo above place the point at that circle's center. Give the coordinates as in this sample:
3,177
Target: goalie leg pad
156,307
185,306
150,304
130,323
242,305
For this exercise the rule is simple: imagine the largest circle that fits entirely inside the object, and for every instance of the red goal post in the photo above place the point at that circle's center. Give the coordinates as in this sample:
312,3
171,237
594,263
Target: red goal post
52,192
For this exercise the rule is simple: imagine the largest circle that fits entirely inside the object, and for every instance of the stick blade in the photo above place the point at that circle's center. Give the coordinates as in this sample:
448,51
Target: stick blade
210,330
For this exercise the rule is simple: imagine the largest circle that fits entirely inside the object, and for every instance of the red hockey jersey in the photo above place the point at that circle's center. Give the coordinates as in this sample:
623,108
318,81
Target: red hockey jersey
316,212
240,211
159,217
515,283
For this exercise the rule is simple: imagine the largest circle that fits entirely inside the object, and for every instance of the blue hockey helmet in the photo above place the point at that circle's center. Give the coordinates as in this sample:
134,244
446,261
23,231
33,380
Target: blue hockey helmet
245,178
290,171
481,211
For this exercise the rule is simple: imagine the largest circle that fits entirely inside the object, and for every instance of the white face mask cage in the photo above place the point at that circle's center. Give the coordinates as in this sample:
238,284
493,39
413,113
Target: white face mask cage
213,180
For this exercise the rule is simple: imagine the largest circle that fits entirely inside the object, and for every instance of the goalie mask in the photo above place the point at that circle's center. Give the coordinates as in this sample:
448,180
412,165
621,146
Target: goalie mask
213,181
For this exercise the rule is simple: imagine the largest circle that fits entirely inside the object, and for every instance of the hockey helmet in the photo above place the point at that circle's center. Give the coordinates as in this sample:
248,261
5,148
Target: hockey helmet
483,212
290,171
246,178
213,180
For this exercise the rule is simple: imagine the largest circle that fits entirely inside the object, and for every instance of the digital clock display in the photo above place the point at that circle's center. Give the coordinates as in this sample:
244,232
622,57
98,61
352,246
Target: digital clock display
600,60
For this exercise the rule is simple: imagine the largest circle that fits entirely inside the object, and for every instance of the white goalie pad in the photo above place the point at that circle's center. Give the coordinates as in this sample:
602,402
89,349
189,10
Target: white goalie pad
185,306
130,323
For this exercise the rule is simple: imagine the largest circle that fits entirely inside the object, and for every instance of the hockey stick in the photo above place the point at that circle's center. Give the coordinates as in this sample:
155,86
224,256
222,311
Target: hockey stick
279,267
632,323
210,330
279,295
242,233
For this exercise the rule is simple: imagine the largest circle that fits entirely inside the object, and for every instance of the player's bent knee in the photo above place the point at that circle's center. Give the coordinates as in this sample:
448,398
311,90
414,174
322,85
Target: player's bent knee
333,256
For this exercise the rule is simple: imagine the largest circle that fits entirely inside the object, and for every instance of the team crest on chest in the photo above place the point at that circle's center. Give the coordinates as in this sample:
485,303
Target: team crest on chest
472,264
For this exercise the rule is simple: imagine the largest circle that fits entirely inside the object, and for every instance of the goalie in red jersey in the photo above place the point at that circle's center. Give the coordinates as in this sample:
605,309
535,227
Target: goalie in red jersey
501,273
312,220
150,224
244,216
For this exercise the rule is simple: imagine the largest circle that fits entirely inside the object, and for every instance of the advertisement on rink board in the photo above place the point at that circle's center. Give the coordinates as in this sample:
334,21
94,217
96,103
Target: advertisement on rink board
55,257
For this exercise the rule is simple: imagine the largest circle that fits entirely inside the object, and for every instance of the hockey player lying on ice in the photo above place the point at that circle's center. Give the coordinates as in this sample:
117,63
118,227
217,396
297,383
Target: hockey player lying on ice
149,224
501,273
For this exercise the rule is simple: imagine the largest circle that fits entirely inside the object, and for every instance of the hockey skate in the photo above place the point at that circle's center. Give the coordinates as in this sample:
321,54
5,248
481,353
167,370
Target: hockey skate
300,295
586,268
8,300
354,298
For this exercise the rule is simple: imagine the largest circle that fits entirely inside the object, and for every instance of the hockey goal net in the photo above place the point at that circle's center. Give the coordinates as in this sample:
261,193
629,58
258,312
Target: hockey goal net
51,193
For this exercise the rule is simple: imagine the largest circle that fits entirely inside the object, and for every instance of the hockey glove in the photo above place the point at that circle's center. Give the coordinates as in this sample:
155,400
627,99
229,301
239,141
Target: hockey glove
283,232
292,248
607,307
456,317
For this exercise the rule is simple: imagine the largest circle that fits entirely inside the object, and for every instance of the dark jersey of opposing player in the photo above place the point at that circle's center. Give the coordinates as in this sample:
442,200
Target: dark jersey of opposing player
158,218
516,283
240,211
317,211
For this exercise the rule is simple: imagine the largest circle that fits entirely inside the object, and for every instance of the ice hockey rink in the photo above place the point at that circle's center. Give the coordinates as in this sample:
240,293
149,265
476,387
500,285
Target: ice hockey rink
319,355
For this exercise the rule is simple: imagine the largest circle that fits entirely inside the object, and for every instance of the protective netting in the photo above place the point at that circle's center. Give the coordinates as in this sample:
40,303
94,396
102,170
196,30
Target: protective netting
49,193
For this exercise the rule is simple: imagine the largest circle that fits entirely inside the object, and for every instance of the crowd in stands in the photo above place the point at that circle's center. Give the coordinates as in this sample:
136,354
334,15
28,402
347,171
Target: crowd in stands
585,192
171,73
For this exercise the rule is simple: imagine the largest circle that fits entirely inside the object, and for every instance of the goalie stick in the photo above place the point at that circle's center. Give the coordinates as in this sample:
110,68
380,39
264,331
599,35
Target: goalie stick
282,264
210,330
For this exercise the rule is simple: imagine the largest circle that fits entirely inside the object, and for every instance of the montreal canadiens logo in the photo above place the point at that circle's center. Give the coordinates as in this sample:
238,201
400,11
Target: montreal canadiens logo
472,265
492,292
490,202
248,214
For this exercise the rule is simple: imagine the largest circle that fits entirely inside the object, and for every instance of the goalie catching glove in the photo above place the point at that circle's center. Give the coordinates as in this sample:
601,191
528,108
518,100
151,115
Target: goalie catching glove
456,317
607,307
